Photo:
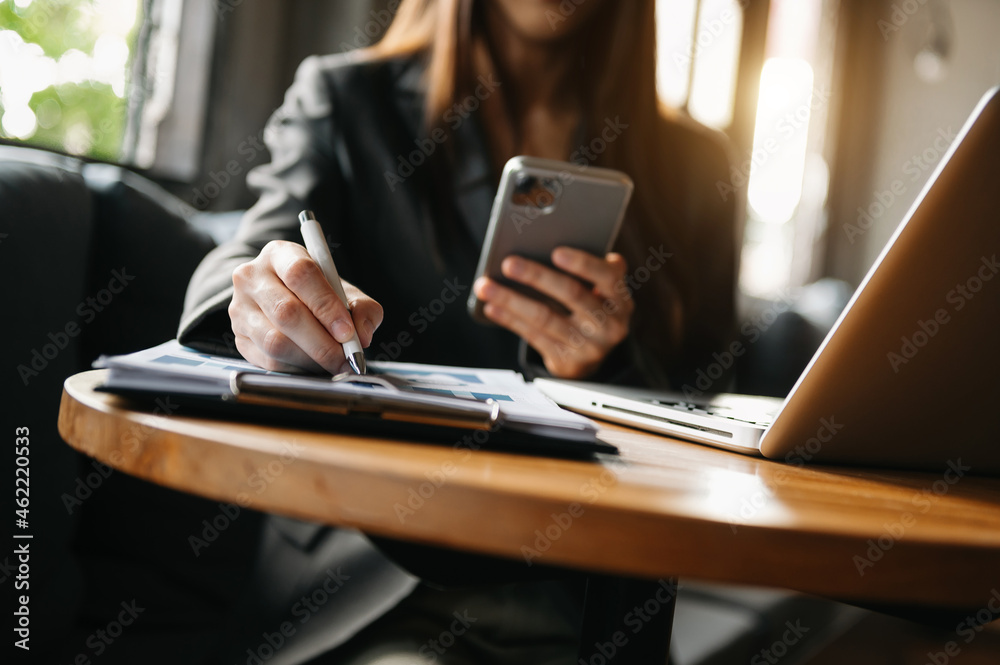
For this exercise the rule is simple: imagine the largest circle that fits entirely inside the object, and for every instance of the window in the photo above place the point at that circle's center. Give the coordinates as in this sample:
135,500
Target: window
64,73
782,168
699,44
789,176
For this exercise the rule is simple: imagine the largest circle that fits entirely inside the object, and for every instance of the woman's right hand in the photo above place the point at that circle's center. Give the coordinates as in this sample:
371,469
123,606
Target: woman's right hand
286,316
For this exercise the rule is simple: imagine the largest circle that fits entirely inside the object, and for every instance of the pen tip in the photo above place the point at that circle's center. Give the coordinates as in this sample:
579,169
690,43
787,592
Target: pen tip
357,362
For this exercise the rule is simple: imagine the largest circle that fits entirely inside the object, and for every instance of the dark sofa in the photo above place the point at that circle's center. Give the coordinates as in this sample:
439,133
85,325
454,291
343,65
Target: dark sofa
95,259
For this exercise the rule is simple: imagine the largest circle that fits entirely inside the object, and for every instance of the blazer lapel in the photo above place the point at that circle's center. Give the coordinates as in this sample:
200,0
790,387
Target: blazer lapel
471,173
472,178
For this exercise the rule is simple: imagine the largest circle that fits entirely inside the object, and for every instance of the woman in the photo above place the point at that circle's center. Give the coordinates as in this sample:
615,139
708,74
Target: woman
398,150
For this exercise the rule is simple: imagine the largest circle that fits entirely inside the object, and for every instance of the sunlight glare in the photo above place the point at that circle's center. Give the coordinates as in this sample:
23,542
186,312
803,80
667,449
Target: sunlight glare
780,137
674,27
716,63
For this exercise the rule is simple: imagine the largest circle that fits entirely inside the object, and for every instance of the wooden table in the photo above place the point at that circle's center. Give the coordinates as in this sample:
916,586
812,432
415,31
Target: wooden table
663,509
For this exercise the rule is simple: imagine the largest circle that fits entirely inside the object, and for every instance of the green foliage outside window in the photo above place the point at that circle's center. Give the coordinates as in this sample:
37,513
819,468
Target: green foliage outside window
63,72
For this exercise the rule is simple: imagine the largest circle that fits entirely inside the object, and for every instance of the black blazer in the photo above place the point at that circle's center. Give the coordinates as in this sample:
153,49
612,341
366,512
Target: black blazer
407,214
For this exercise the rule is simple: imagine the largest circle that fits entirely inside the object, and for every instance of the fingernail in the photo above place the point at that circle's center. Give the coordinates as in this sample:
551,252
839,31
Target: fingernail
369,327
342,331
484,288
513,267
561,257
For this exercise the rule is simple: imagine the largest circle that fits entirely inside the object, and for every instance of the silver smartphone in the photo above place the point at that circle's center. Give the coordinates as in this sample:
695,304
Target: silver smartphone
542,204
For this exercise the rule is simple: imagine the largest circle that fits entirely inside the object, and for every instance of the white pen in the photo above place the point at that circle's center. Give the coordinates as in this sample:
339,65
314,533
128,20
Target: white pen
316,245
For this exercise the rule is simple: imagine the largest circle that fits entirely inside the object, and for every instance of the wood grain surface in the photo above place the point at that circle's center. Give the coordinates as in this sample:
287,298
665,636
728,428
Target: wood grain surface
663,508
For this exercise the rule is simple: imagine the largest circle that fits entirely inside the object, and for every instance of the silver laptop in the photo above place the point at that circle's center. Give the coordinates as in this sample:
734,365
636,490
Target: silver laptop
909,375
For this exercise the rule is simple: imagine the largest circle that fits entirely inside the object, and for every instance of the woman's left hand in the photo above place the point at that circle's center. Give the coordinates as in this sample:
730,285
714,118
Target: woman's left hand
572,346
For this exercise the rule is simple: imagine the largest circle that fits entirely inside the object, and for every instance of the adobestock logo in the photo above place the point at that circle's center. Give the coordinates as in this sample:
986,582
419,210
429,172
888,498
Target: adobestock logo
59,340
752,330
583,156
828,428
710,29
927,329
566,9
892,532
420,320
426,146
373,29
914,167
447,638
417,497
303,609
561,522
634,620
779,648
753,503
794,122
259,480
901,13
37,22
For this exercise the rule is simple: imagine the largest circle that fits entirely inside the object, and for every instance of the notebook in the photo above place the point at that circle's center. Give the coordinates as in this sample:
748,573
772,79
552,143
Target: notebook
426,401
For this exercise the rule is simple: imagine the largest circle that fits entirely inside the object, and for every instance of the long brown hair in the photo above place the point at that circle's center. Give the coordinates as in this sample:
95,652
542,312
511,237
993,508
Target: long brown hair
620,61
